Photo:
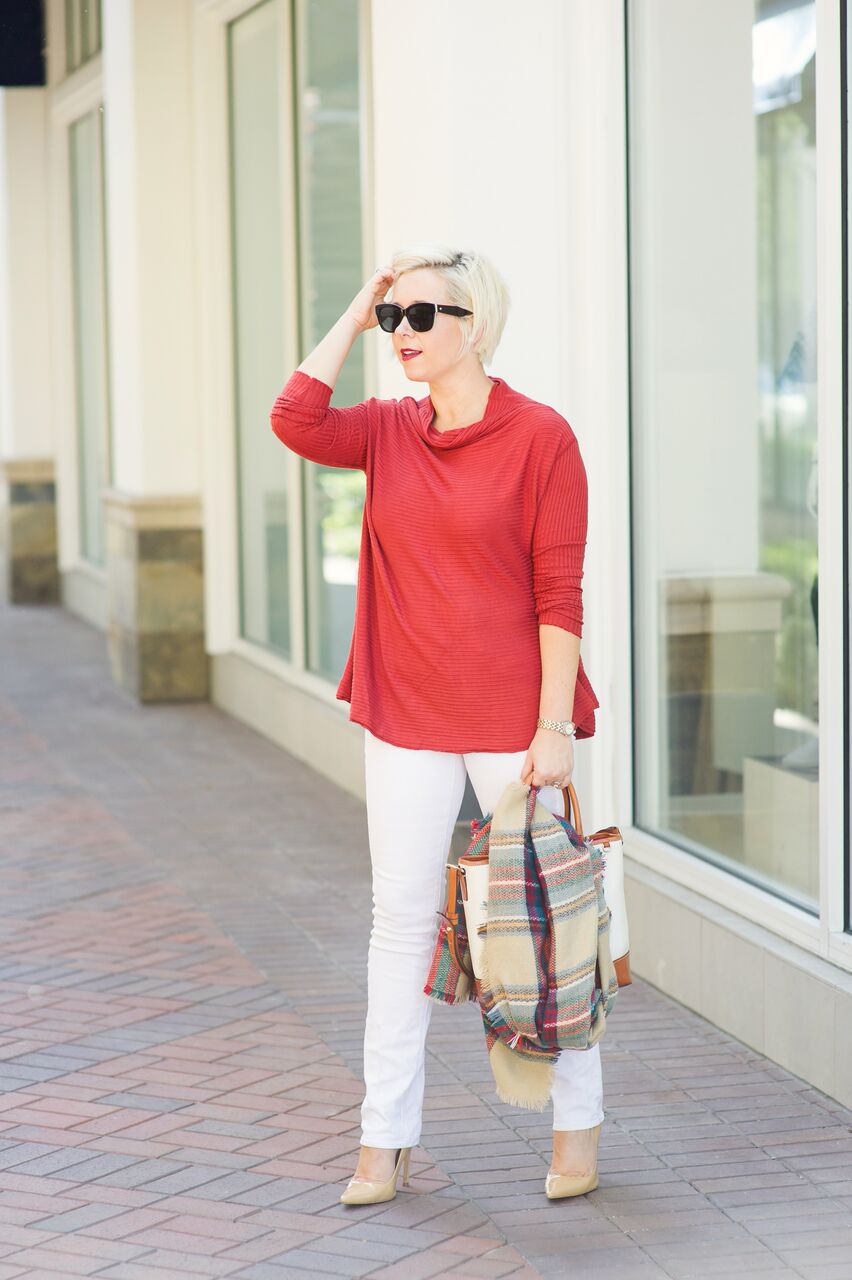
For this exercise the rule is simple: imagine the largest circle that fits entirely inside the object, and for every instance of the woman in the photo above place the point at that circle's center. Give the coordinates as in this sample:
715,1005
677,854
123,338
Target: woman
465,654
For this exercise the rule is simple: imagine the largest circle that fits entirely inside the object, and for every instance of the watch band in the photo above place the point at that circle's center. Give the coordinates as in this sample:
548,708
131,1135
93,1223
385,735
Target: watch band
567,727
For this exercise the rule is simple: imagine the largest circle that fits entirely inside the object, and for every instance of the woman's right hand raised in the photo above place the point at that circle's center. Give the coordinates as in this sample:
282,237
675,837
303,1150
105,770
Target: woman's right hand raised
362,307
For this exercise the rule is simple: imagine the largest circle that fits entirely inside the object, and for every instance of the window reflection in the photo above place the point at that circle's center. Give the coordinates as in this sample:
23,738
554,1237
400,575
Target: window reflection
329,127
85,157
259,325
723,296
82,32
277,286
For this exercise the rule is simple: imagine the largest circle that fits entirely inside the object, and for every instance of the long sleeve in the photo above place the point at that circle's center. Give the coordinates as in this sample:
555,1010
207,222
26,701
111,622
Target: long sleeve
559,542
302,418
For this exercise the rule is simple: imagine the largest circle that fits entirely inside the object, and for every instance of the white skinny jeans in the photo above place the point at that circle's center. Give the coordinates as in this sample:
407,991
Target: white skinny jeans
413,802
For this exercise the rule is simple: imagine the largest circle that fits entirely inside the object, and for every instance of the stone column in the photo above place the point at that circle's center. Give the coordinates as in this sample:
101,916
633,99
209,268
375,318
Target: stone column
155,582
28,531
155,596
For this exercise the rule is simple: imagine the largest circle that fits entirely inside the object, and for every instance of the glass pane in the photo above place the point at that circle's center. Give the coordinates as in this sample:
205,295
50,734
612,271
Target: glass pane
72,36
91,27
330,250
724,425
82,31
85,7
259,325
90,328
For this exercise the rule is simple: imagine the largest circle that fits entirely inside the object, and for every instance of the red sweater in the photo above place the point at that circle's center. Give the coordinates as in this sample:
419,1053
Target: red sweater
470,539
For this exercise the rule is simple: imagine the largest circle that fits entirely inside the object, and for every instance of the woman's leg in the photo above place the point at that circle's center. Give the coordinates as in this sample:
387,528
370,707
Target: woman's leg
413,801
577,1092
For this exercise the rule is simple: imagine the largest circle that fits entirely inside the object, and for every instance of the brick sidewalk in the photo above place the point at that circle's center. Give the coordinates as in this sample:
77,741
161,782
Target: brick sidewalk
182,997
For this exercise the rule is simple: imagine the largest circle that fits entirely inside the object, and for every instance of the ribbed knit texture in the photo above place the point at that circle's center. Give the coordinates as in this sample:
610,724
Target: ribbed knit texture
471,539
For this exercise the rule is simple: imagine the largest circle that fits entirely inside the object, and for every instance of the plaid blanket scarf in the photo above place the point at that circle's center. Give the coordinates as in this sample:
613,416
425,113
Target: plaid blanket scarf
548,981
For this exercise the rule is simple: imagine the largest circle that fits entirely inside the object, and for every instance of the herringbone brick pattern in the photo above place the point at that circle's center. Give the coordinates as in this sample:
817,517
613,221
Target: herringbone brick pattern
183,930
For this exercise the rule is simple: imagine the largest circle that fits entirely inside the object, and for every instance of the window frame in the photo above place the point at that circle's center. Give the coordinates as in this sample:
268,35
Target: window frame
210,23
827,935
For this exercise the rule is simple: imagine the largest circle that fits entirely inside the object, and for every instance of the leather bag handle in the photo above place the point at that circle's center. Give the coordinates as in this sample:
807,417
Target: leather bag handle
452,917
572,806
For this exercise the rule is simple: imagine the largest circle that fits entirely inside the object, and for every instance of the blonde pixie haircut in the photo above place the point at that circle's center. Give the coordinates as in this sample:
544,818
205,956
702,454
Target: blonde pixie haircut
473,282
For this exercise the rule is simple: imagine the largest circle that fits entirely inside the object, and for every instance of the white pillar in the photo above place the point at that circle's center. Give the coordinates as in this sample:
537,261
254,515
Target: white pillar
155,585
150,245
26,394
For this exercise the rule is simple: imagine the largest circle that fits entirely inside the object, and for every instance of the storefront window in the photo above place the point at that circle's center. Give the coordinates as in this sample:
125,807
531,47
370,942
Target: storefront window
329,182
82,32
305,281
259,324
90,328
722,145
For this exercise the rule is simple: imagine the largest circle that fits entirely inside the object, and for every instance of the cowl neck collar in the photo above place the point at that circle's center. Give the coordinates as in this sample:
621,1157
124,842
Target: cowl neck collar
498,407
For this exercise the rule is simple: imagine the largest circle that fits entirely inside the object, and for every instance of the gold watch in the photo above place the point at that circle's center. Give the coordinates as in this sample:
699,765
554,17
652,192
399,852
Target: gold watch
567,727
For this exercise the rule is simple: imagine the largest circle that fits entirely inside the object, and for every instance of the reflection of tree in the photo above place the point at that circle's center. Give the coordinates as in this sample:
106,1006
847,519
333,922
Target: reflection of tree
797,660
793,369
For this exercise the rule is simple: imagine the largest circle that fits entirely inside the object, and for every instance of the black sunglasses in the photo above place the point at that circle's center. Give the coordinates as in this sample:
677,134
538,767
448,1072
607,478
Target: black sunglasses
421,315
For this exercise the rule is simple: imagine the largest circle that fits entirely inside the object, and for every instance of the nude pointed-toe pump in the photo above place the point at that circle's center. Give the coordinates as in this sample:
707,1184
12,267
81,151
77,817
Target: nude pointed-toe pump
558,1185
366,1191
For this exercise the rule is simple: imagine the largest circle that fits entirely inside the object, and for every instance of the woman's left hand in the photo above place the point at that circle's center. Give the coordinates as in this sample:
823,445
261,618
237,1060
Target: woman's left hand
550,760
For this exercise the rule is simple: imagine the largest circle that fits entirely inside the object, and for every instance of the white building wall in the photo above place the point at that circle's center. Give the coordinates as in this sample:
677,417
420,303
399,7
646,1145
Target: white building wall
500,128
147,85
